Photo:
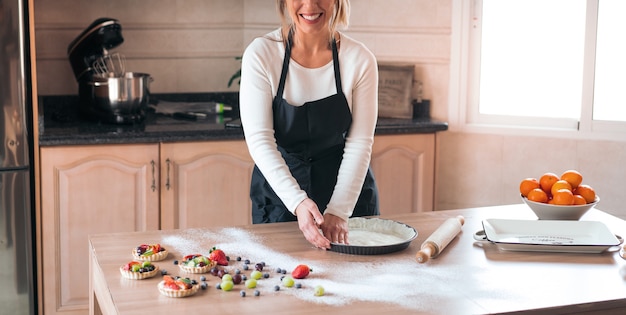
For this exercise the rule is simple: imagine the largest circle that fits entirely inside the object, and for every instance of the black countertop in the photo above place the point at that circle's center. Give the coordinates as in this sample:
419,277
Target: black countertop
62,125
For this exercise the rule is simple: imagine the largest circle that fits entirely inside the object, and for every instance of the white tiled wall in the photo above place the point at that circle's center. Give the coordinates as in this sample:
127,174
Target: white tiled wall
191,45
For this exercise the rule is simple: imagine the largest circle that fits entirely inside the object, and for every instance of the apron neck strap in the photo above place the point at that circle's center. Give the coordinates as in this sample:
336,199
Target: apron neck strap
283,74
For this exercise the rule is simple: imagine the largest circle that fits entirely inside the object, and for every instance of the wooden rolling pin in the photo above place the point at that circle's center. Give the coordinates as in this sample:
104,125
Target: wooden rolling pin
437,241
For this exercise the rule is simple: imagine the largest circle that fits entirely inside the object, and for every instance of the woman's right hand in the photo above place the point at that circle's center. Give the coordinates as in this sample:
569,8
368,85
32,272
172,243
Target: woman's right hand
309,221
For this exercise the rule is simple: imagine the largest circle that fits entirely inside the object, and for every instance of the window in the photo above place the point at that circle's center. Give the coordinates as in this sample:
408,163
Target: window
538,64
610,70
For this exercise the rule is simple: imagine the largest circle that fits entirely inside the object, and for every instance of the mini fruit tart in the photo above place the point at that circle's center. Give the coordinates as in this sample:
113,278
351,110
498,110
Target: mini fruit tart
196,263
150,252
138,270
175,286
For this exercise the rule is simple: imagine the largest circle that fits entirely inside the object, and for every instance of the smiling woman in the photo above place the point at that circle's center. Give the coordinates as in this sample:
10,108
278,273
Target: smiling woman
309,106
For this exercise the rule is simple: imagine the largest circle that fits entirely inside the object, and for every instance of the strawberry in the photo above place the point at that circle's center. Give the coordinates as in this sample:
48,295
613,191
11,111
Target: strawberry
218,256
184,283
168,279
301,271
190,257
129,266
172,286
170,283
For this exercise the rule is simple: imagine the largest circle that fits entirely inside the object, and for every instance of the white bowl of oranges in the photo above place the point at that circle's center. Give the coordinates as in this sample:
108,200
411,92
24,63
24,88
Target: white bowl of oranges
553,197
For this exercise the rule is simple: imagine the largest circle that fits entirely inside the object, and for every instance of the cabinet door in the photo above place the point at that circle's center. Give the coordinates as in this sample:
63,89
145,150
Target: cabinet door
205,184
90,190
404,168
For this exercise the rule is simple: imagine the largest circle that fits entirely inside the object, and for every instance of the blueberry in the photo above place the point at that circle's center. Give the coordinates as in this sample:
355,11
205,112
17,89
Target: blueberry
283,271
247,261
278,270
202,278
298,285
237,271
276,288
257,292
238,258
175,262
266,275
227,258
218,286
194,282
203,286
163,272
242,293
245,267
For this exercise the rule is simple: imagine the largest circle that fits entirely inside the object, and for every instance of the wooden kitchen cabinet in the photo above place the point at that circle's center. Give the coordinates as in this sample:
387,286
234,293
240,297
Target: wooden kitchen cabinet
90,190
205,184
123,188
404,168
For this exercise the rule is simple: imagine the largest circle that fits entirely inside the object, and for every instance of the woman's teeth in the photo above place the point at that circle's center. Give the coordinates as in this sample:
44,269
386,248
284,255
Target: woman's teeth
311,17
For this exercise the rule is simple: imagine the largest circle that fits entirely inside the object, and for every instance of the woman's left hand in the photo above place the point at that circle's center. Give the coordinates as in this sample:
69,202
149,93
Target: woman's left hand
335,229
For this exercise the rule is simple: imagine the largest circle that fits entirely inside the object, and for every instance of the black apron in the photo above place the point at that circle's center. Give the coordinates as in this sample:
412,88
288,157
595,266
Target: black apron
311,139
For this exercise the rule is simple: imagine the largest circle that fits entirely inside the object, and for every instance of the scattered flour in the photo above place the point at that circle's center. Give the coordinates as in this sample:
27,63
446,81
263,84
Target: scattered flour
344,283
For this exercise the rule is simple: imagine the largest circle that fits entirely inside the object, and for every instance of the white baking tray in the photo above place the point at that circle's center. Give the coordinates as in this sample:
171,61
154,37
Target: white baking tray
548,235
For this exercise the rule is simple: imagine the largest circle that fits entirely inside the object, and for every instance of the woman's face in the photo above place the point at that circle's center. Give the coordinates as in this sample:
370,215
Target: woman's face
311,16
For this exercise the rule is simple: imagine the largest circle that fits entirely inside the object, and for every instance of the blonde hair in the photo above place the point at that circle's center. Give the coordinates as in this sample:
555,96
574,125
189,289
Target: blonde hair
339,18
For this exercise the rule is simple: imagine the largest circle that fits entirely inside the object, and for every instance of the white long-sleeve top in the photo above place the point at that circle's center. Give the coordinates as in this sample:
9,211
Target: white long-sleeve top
260,75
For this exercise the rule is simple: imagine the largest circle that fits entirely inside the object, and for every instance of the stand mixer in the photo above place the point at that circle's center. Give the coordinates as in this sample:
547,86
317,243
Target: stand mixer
106,91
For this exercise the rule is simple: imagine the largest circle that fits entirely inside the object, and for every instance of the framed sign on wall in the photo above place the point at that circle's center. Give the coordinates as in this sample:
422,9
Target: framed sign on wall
394,90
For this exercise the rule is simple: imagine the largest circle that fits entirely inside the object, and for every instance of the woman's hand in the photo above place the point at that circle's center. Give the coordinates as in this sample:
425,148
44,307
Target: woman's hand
335,229
309,221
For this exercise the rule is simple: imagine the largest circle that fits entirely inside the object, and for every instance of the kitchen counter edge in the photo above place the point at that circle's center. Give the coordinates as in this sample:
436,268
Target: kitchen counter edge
71,130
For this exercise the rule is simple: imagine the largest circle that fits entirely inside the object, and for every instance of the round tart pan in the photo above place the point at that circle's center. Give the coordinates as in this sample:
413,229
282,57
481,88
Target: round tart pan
138,275
375,236
154,257
177,293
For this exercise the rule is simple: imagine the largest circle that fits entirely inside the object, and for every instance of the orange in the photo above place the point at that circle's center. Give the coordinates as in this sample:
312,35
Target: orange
537,195
560,184
587,192
527,185
573,177
579,200
563,197
547,180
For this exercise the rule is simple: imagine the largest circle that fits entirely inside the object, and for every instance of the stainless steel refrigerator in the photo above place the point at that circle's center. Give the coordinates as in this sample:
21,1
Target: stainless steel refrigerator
17,267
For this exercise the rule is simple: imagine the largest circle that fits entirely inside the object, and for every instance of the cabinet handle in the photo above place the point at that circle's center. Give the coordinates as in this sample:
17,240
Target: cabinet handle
167,179
153,177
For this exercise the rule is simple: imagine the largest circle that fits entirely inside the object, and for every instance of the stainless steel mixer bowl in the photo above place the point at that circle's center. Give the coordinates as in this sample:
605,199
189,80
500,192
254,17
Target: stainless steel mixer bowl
124,95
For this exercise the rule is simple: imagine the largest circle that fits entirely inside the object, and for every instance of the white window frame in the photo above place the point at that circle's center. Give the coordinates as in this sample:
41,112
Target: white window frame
463,114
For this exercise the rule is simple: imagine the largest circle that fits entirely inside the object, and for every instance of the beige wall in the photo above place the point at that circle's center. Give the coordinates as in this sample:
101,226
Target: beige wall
191,45
485,170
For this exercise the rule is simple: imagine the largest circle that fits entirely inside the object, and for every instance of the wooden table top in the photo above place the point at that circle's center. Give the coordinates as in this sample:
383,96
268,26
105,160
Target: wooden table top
469,277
